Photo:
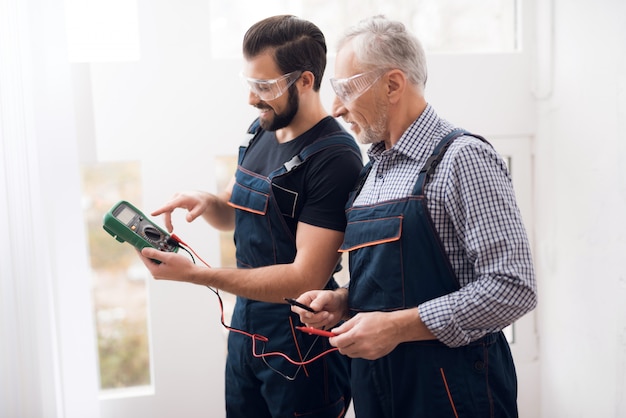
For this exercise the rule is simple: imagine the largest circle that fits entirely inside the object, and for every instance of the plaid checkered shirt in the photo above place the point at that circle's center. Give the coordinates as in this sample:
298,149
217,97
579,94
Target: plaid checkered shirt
474,210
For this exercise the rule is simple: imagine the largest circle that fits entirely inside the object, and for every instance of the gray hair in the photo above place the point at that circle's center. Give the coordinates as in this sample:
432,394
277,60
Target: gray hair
386,44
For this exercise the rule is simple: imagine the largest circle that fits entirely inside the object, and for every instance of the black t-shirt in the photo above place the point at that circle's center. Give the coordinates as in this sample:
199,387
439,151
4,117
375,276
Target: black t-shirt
316,191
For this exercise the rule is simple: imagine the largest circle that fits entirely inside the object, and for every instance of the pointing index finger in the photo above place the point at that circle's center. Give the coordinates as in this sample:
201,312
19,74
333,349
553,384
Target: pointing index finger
166,211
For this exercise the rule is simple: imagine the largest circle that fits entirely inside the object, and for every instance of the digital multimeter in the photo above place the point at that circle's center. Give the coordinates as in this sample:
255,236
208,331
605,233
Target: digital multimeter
126,223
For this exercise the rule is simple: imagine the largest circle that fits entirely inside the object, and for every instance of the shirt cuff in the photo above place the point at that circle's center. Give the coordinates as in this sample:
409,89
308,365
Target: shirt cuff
438,317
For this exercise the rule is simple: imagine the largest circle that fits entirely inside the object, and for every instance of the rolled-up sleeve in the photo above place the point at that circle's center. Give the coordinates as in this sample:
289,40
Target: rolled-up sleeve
475,212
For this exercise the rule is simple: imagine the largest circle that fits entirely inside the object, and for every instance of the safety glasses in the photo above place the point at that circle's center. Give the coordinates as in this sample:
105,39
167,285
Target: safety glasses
348,89
272,89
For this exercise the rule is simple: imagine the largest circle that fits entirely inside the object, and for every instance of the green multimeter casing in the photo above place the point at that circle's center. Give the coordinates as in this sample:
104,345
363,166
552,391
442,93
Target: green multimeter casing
126,223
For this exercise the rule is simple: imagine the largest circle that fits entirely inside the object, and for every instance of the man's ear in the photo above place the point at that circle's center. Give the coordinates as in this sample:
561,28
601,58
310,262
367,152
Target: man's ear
307,80
396,84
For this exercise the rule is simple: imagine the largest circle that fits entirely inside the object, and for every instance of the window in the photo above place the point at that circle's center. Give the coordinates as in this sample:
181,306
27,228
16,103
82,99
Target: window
118,280
456,26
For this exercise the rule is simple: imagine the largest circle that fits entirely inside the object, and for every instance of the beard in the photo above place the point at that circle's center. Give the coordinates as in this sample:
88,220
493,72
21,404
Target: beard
281,120
376,131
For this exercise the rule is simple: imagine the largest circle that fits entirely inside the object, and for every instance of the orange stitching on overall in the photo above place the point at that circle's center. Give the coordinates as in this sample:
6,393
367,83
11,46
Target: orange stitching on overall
445,383
258,212
377,242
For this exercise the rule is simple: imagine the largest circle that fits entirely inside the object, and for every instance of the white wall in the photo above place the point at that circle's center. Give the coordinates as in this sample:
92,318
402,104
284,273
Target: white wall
580,205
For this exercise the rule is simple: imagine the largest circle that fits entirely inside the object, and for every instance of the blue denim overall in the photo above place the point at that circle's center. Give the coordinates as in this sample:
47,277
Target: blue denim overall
271,386
397,262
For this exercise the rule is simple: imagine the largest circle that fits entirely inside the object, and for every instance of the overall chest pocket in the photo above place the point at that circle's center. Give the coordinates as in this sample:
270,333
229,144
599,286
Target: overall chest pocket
287,200
249,199
376,263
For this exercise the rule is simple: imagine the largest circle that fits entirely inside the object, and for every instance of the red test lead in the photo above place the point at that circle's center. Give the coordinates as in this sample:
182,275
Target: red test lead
316,331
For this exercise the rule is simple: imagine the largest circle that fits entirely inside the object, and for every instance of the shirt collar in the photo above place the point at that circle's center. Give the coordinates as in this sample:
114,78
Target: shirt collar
413,143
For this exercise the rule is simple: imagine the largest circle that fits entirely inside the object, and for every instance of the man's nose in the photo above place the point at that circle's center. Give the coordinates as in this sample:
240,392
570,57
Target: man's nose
338,109
253,98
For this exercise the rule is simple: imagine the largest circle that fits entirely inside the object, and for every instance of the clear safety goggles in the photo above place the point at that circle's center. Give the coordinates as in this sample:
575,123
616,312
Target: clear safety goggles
272,89
348,89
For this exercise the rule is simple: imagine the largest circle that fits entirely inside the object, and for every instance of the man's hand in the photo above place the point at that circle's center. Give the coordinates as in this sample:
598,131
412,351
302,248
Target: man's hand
172,266
330,306
196,203
372,335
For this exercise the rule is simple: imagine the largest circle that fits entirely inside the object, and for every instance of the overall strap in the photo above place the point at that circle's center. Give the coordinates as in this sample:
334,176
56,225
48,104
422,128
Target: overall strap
255,126
334,139
360,182
341,138
314,148
253,132
433,161
251,135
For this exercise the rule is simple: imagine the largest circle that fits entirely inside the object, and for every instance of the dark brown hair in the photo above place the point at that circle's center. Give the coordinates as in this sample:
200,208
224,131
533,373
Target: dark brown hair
297,44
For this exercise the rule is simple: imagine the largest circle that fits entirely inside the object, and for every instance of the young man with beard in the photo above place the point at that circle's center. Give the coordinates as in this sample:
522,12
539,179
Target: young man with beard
439,257
286,205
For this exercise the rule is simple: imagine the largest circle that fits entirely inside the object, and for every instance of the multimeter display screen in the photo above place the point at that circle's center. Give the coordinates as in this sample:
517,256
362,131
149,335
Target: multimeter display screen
126,215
